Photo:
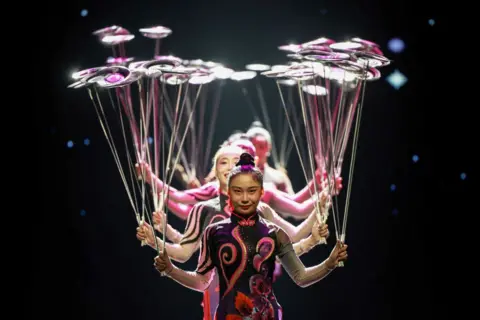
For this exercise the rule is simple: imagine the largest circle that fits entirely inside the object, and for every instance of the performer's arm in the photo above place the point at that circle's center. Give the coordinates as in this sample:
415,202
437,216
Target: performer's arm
319,235
288,185
296,233
200,279
177,251
289,207
305,245
301,275
181,210
304,194
174,194
156,183
189,242
191,279
309,189
172,234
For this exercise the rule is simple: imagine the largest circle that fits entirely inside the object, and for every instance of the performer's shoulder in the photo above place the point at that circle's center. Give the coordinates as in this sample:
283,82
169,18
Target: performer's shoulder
210,184
267,223
216,226
211,204
207,204
272,227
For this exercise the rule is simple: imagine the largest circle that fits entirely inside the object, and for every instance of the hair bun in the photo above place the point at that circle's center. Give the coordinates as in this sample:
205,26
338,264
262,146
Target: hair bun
246,159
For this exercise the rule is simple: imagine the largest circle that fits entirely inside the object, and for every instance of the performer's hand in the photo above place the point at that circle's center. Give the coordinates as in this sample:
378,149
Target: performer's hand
143,171
334,190
320,231
339,253
324,200
266,210
163,263
282,170
210,176
145,233
338,185
158,220
180,168
193,183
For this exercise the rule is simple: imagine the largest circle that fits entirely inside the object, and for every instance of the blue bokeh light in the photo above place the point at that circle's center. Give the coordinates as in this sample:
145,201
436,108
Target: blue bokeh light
397,79
396,45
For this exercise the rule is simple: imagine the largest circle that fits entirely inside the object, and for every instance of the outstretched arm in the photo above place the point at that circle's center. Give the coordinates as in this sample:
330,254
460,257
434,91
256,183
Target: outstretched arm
177,251
288,185
192,280
296,233
172,234
319,235
302,195
288,207
191,196
301,275
189,242
200,279
309,189
181,210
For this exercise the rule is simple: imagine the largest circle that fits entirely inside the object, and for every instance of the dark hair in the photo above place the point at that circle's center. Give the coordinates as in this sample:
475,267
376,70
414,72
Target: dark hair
246,164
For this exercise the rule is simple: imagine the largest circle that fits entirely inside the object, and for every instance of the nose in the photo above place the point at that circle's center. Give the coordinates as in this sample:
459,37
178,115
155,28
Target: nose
245,198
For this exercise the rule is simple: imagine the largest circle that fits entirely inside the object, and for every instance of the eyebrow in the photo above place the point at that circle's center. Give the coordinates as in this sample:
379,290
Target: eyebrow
250,188
226,158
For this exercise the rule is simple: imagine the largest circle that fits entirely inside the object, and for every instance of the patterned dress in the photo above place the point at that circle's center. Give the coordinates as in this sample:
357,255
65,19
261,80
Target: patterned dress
242,251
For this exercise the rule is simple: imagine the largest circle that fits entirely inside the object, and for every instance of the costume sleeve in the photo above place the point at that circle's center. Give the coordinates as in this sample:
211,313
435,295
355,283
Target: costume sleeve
190,241
205,259
205,192
302,276
198,280
195,224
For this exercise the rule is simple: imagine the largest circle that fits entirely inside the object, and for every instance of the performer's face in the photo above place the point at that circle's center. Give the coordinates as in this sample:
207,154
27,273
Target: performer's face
245,192
224,164
262,147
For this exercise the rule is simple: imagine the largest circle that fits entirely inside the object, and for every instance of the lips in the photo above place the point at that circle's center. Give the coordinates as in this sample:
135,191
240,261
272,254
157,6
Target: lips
245,207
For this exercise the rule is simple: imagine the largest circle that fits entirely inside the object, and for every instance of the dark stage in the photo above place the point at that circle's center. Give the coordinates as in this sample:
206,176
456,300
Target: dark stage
409,251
